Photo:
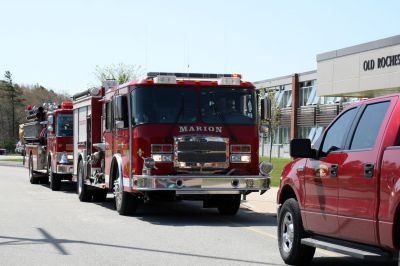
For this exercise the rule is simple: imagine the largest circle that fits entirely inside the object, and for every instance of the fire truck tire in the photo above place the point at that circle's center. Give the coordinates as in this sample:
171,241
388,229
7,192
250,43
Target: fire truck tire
229,204
290,232
84,194
100,195
55,181
125,203
32,176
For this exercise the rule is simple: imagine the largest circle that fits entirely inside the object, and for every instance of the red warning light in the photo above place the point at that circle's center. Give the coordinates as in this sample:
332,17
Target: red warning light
66,105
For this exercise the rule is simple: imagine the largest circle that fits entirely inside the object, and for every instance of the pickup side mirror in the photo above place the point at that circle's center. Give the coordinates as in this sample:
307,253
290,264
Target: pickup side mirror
301,148
266,108
120,106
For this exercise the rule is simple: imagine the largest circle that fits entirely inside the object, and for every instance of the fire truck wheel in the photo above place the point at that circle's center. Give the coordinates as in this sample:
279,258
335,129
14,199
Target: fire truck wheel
84,194
125,203
228,204
290,232
100,195
55,181
32,176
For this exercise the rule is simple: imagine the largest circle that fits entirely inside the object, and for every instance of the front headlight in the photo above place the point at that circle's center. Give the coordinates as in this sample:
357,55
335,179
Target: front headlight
64,159
240,158
162,157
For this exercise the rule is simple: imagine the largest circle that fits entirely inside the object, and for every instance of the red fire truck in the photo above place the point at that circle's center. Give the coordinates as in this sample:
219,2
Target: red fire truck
48,136
169,136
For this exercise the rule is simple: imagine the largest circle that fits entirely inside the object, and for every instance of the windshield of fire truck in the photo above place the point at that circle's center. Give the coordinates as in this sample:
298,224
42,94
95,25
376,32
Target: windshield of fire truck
227,106
189,105
164,105
64,125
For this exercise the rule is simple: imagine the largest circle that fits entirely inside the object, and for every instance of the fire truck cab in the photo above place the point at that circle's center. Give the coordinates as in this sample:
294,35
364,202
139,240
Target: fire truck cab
48,136
169,136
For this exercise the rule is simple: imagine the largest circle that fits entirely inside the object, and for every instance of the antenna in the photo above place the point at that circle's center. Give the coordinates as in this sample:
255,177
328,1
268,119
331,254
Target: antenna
146,48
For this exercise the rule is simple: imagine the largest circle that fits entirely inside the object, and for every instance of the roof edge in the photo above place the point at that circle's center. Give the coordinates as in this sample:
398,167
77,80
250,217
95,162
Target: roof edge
364,47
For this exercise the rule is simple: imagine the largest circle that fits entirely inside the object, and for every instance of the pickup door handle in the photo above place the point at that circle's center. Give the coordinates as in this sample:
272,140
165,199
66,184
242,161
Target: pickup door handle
368,170
334,170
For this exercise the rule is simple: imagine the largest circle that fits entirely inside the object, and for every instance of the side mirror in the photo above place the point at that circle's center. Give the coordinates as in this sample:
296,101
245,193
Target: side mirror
50,119
301,148
50,128
266,111
120,106
264,129
119,124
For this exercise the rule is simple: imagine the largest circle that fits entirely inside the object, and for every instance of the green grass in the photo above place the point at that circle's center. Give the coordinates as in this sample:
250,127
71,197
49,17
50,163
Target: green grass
11,160
278,164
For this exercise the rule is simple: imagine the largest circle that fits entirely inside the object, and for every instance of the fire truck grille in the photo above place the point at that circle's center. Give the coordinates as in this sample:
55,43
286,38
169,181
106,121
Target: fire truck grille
201,146
201,152
201,157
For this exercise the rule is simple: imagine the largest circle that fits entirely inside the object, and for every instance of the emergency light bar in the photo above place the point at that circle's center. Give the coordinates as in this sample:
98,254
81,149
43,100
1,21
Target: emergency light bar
165,79
193,75
229,81
66,105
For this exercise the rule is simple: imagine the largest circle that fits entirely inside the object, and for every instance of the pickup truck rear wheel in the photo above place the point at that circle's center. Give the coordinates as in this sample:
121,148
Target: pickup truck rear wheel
125,203
32,176
229,204
84,194
290,232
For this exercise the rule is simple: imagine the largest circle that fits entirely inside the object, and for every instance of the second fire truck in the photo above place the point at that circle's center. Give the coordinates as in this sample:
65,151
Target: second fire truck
48,138
169,136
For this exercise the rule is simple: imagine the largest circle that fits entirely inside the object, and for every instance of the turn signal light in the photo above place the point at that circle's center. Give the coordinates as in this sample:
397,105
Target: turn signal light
161,148
240,148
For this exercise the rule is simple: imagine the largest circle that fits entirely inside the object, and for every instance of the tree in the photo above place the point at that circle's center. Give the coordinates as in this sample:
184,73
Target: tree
274,122
13,98
122,73
11,93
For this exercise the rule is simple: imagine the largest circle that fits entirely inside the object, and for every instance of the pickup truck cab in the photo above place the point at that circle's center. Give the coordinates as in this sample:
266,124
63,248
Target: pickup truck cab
343,193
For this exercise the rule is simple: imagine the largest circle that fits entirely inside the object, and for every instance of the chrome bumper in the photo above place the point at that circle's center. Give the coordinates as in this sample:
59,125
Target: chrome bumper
201,184
65,169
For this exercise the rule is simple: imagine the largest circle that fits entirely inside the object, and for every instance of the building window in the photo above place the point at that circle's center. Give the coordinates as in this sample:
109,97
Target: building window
283,95
286,99
304,132
284,135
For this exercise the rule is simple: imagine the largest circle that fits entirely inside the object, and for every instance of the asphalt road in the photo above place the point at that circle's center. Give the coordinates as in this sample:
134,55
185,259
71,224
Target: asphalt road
41,227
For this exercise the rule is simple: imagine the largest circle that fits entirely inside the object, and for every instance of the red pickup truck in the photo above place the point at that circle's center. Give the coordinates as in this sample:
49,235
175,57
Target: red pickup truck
343,193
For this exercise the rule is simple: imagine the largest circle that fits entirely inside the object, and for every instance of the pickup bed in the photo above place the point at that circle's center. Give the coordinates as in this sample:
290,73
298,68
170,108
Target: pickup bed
343,192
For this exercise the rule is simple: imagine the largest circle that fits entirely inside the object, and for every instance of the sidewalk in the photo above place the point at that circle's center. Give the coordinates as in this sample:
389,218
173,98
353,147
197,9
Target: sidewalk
265,203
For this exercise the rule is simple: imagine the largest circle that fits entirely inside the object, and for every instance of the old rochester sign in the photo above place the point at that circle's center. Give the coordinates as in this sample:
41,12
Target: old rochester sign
382,62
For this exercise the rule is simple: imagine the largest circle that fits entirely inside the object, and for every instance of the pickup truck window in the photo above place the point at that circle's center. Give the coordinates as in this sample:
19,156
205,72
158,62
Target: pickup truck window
336,134
369,125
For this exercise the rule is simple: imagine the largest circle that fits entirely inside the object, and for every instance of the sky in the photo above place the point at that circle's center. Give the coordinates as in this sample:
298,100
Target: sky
58,44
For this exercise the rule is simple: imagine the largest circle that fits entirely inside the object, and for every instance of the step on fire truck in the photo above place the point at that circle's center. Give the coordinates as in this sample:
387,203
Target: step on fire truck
169,136
48,135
